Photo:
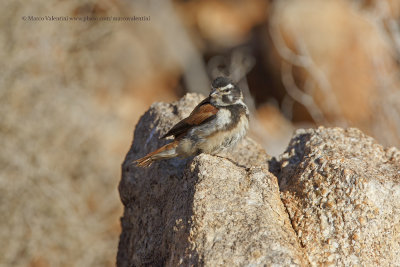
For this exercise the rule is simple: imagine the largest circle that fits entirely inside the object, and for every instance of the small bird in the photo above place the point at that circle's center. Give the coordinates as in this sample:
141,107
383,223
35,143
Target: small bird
217,123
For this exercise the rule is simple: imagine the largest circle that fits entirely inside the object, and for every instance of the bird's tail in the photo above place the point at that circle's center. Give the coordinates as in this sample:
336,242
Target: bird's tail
164,152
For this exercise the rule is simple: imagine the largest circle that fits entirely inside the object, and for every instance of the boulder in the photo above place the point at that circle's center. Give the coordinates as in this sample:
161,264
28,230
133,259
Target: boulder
332,198
342,192
204,210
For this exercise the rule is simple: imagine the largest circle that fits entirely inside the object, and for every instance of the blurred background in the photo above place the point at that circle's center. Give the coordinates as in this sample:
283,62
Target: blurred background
71,93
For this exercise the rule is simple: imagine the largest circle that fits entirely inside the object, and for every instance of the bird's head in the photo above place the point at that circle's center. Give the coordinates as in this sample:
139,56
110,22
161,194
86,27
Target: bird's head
224,92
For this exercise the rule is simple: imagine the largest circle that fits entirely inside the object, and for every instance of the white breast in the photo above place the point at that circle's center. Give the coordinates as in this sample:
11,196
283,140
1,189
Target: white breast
223,118
221,139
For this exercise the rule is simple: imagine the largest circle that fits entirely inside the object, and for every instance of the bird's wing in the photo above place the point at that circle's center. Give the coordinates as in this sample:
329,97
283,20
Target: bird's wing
202,113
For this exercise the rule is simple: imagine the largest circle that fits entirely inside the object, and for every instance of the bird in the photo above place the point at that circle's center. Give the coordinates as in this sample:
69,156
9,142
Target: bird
216,124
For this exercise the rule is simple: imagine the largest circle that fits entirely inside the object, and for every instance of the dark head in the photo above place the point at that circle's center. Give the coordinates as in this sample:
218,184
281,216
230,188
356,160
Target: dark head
225,92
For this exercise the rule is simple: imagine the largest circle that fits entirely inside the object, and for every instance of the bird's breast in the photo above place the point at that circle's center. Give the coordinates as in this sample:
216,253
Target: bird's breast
225,136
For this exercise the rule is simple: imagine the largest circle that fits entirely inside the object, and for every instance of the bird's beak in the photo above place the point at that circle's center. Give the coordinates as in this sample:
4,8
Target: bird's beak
214,93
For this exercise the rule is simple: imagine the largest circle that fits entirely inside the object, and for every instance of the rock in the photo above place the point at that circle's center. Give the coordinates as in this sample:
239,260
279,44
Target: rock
205,210
342,192
337,202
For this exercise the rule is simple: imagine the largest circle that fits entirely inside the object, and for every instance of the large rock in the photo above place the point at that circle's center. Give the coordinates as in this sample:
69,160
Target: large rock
338,201
207,210
342,192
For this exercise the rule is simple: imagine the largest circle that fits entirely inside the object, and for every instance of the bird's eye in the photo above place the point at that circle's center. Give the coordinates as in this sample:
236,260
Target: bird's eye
226,90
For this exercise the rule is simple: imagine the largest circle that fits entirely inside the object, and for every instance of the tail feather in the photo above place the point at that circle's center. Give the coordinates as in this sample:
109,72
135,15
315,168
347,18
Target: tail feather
164,152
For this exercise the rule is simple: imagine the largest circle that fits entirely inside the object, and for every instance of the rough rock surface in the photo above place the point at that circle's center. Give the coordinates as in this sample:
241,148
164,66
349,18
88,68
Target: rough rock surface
342,192
206,210
337,203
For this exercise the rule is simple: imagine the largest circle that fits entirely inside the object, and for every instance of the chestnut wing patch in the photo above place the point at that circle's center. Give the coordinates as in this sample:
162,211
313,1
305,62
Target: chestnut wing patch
203,113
